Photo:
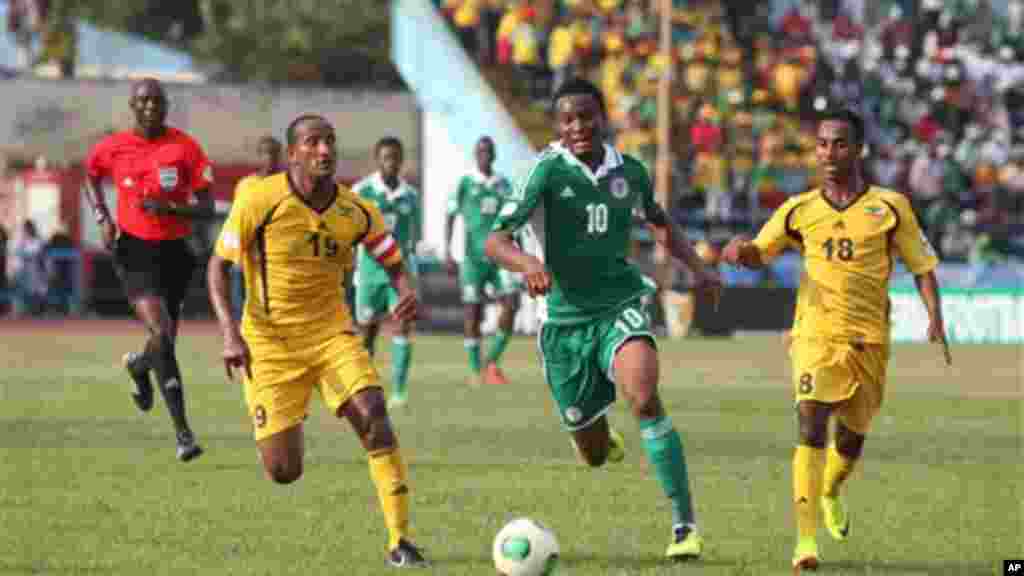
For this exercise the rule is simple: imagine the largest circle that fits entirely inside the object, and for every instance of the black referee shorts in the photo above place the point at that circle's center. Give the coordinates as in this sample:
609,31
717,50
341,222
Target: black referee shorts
161,268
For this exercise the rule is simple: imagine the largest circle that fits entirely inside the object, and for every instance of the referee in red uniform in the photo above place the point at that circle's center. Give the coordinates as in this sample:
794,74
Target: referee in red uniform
162,178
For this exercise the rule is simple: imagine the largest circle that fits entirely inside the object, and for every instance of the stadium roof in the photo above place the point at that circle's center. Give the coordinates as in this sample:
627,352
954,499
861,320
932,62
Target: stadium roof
103,53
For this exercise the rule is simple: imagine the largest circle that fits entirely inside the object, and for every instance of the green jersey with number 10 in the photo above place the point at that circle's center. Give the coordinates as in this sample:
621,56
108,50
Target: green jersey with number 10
401,210
582,221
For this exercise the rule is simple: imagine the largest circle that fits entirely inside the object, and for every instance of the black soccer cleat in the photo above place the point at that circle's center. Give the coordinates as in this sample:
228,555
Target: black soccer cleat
187,447
135,364
406,555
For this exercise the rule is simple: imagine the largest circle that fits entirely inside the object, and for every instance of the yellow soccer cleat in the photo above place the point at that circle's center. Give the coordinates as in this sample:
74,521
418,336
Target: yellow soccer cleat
686,544
616,446
837,521
805,557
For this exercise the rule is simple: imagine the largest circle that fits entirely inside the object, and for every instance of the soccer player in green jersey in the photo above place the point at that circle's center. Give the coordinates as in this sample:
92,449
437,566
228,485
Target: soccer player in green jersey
375,298
578,200
478,199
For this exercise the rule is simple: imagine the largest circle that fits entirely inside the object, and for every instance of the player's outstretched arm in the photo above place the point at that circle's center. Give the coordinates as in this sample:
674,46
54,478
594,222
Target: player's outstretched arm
236,353
668,233
408,303
502,249
928,289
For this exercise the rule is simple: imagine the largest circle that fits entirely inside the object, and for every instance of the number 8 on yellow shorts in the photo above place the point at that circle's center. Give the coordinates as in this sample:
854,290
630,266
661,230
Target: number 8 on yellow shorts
848,375
285,372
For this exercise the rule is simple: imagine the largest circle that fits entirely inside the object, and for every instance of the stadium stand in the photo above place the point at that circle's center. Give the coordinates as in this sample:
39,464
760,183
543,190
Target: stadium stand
943,95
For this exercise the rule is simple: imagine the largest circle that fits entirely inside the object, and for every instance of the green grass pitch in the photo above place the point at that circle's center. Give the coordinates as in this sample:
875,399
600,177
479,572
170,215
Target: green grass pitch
91,486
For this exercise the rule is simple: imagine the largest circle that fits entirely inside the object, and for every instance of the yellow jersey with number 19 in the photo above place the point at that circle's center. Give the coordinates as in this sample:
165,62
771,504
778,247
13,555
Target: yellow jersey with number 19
848,260
294,257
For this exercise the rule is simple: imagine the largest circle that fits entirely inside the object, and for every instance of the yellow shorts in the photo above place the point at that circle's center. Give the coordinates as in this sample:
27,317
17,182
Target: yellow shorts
284,374
851,376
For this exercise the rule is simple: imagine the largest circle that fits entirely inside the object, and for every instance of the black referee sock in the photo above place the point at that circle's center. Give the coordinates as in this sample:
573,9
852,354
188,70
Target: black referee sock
168,376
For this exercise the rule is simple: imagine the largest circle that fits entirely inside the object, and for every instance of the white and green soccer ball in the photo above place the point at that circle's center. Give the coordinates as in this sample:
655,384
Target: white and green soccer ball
525,548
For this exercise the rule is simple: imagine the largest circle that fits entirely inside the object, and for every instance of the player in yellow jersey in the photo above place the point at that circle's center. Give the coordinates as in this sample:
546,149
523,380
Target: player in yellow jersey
848,233
295,234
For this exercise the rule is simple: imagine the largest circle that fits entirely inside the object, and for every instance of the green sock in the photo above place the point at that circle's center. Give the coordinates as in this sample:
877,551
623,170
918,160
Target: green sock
472,346
498,345
401,354
665,451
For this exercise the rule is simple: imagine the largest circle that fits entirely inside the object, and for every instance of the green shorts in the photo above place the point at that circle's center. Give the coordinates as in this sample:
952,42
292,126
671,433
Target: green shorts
373,301
579,359
477,275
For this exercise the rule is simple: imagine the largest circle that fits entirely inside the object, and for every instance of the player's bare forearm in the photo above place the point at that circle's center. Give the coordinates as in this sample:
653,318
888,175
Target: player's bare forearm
674,240
217,283
928,288
449,229
94,194
502,249
400,279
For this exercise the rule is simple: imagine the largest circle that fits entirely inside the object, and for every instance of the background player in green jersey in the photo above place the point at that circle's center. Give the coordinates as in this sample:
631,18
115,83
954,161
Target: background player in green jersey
478,198
375,298
595,334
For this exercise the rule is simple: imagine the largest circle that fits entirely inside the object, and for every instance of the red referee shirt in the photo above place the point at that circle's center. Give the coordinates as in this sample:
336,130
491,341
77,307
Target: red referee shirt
169,168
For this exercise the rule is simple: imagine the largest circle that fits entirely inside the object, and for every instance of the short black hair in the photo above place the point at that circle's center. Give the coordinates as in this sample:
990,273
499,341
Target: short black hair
388,141
846,114
578,86
290,135
149,81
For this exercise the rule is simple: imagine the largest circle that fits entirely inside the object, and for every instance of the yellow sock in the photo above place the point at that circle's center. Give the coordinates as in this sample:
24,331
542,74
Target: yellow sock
808,465
837,470
388,472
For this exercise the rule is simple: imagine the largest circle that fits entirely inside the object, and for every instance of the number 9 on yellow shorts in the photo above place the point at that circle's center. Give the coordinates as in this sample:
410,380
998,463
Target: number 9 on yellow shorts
848,375
285,373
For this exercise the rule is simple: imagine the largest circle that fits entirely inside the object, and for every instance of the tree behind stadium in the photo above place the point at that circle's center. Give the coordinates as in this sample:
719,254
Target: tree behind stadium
333,42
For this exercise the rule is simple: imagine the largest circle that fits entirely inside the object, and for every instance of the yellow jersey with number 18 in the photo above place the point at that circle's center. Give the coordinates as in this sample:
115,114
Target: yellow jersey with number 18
294,257
848,256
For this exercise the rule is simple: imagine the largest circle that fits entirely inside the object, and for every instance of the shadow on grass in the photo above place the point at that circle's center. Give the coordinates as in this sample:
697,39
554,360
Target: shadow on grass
611,561
904,568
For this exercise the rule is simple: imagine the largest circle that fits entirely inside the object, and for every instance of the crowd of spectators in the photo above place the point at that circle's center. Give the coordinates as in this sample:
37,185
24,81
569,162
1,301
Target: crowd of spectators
939,83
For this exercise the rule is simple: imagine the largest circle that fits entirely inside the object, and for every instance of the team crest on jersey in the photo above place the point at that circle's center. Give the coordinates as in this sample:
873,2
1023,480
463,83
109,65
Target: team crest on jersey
259,416
874,211
620,188
573,415
168,177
